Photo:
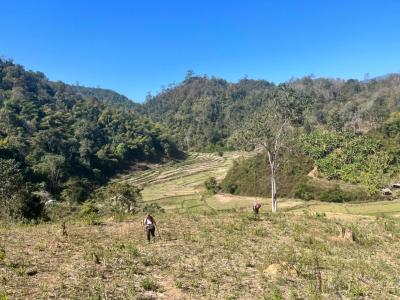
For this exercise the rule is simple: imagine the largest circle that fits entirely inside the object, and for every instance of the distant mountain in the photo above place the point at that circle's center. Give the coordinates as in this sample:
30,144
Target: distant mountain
104,95
203,112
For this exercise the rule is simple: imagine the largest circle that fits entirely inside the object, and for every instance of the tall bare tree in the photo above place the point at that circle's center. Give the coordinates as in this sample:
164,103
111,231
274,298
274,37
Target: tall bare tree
272,128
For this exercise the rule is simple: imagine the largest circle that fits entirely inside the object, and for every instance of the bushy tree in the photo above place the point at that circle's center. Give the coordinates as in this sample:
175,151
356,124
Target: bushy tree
51,166
16,198
122,197
211,185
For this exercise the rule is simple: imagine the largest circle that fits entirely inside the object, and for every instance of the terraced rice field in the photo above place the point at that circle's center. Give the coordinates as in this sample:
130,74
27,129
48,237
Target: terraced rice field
180,187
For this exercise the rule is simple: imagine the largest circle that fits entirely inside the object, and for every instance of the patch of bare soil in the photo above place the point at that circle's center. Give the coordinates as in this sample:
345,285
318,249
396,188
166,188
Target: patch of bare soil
313,173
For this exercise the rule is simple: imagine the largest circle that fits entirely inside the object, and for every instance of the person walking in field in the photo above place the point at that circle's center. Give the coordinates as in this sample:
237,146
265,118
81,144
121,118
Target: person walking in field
256,208
150,227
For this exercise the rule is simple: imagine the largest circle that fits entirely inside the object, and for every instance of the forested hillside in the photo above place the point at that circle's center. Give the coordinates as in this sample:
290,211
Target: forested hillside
349,132
62,140
203,112
106,96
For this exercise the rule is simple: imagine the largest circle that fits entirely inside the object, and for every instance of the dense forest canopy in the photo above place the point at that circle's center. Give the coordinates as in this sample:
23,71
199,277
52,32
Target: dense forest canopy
203,112
64,140
106,96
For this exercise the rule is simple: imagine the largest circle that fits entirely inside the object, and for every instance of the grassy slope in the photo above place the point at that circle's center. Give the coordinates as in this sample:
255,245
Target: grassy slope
211,249
223,255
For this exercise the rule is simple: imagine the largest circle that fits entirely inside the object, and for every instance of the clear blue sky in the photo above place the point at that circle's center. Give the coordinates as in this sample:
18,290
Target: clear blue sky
134,47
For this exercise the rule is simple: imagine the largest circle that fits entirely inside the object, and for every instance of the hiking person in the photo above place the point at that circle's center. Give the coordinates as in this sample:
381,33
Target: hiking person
256,208
150,227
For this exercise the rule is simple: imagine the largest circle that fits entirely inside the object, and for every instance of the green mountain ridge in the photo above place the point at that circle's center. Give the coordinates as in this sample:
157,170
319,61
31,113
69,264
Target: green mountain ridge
203,112
56,139
107,96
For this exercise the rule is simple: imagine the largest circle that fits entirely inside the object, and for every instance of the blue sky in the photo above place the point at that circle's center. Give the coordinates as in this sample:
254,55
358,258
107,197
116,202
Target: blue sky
134,47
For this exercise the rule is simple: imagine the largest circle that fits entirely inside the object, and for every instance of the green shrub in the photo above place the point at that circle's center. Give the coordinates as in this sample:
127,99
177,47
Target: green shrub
17,198
356,291
89,213
312,190
153,207
231,188
335,195
58,211
211,185
88,208
76,190
3,296
303,191
92,219
2,254
276,294
120,197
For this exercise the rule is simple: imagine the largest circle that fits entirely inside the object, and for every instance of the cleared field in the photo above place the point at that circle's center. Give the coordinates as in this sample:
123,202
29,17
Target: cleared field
196,163
227,201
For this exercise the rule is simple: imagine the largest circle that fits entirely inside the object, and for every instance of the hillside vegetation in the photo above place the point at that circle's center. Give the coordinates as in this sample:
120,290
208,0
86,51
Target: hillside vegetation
350,167
57,141
180,188
204,112
106,96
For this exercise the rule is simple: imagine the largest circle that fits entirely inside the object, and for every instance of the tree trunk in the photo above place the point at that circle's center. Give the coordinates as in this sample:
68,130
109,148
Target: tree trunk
274,199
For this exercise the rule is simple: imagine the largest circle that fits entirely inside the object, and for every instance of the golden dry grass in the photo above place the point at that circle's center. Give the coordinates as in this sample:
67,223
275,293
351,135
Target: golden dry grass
222,255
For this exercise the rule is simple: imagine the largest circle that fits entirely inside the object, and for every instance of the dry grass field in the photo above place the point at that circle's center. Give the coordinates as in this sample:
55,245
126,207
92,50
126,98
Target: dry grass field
211,247
220,255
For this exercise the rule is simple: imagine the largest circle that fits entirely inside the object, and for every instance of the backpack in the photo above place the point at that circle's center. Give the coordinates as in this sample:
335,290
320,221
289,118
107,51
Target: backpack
151,225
